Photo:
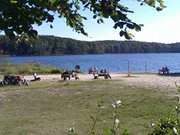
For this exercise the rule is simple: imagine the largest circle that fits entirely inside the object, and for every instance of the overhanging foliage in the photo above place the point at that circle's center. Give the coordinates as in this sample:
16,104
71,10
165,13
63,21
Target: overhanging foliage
17,17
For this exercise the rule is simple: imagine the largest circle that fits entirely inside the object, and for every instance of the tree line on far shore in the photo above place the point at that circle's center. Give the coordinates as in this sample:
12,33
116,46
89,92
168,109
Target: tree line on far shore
50,45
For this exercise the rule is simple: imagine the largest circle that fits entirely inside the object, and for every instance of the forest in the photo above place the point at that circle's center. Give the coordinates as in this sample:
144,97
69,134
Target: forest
51,45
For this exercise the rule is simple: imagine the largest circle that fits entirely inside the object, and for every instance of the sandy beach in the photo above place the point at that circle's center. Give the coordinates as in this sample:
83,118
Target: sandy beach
145,80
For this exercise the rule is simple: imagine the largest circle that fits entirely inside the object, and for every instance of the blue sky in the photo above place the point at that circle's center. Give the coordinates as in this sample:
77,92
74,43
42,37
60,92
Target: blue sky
161,26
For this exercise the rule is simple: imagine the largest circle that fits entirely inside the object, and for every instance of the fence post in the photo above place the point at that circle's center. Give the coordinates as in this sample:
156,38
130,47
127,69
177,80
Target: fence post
145,67
128,68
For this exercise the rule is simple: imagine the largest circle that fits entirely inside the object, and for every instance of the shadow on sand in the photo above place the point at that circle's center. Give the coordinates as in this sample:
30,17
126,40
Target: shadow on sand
176,74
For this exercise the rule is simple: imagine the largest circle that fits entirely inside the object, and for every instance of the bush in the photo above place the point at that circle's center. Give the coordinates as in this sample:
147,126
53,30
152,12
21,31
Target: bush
166,126
28,69
55,71
169,125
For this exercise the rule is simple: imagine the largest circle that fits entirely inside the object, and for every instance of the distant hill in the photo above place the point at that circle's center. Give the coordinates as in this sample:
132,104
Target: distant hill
50,45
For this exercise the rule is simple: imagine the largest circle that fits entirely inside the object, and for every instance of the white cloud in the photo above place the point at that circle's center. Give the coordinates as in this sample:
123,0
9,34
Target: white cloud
165,30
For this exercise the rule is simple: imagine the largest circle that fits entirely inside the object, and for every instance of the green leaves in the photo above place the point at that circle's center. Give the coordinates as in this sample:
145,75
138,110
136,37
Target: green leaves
13,1
19,16
158,4
167,126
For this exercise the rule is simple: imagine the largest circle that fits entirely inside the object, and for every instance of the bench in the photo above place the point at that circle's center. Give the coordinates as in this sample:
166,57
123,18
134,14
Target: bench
105,75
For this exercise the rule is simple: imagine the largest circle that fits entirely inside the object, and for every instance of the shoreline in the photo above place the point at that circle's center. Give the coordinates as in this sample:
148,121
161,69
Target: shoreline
144,79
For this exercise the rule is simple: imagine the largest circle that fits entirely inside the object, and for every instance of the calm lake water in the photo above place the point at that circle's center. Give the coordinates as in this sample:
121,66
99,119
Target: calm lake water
112,62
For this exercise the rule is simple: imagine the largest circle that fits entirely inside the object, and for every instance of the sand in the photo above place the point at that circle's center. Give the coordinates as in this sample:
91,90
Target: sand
146,80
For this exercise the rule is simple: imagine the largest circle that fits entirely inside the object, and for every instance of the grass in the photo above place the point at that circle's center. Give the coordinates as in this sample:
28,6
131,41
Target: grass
51,108
29,68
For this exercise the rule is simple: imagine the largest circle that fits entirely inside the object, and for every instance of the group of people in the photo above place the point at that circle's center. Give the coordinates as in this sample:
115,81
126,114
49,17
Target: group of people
93,70
164,70
97,74
103,71
69,74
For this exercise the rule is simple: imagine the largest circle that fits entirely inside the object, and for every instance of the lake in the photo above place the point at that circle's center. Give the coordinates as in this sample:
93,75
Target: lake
113,62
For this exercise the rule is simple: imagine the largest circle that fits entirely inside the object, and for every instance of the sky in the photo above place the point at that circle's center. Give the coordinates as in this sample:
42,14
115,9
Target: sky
161,26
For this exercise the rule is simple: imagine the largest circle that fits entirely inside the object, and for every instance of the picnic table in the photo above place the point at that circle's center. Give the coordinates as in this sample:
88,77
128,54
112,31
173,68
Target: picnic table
105,75
68,74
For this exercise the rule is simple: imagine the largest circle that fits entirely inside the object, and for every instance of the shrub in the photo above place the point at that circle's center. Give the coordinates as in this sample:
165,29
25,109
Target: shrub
29,68
55,71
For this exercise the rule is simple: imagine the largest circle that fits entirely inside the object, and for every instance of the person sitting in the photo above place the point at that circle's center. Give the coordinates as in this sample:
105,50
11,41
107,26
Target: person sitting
163,70
90,71
95,76
166,70
67,75
76,77
35,77
101,71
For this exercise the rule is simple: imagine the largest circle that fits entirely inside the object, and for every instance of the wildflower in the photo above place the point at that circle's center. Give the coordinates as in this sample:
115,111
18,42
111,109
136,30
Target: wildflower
152,124
113,105
71,130
116,103
175,131
117,121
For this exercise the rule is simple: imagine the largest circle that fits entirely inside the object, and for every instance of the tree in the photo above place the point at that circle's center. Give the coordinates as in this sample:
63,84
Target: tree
17,17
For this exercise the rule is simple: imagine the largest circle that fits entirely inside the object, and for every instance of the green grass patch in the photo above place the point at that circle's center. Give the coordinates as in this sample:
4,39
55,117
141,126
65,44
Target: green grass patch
51,108
29,68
